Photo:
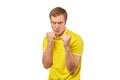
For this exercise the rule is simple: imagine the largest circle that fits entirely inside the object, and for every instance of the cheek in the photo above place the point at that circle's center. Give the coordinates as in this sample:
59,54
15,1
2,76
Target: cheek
61,30
52,27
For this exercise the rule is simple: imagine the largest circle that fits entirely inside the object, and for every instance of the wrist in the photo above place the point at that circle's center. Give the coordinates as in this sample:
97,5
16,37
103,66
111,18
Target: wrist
50,44
67,47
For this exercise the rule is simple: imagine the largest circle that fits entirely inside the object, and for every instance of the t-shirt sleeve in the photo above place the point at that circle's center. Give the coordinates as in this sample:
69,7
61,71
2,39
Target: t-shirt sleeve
44,44
77,46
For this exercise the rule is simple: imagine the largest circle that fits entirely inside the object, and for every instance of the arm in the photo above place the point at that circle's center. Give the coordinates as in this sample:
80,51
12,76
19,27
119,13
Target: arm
72,61
47,55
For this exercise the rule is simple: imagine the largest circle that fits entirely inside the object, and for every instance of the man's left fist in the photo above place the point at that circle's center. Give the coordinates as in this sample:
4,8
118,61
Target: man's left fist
66,38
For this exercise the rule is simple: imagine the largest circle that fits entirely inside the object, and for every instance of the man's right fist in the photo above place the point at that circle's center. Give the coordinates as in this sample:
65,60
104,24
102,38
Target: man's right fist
50,36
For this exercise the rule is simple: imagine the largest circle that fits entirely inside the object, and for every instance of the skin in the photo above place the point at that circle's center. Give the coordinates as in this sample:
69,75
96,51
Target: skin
58,26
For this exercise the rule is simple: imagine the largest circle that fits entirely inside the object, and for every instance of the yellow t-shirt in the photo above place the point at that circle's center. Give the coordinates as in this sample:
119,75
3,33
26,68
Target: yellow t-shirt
58,70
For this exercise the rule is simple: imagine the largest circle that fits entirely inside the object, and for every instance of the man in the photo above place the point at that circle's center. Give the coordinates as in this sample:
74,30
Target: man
62,48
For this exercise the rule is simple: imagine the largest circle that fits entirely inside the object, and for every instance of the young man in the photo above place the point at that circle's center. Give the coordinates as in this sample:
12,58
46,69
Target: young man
62,48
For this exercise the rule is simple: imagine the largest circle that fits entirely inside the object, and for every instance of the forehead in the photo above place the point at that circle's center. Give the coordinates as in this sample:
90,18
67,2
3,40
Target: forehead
58,18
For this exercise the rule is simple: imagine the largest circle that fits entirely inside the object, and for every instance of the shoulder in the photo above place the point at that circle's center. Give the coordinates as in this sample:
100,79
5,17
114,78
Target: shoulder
45,39
76,39
73,34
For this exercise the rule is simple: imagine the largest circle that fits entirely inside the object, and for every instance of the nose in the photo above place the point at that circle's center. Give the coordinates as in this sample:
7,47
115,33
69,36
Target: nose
56,25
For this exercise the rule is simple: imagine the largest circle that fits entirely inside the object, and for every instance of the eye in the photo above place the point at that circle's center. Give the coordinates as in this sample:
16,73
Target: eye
53,22
60,22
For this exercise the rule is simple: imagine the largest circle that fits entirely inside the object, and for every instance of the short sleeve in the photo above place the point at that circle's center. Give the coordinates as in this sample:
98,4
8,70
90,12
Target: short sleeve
77,46
44,44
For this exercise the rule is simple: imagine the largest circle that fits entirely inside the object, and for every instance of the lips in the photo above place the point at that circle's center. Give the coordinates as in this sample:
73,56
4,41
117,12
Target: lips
56,31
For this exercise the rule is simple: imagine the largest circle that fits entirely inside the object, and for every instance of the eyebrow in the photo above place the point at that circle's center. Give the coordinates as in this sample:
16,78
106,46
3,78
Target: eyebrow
60,22
56,22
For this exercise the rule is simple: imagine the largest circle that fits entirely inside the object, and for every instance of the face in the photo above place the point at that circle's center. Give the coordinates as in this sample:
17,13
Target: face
58,25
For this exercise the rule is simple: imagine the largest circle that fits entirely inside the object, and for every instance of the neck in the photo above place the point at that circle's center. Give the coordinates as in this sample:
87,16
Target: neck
59,35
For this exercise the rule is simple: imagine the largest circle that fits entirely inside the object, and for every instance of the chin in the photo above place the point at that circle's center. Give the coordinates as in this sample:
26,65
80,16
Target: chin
58,34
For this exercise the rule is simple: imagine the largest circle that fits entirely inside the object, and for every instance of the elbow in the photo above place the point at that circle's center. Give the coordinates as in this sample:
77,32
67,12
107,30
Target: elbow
46,65
72,70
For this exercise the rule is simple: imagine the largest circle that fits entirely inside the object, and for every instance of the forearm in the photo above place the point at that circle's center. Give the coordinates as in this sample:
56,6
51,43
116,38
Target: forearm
71,63
47,56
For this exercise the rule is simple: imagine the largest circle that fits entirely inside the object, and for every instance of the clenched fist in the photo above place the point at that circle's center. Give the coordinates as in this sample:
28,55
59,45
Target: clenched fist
66,38
50,36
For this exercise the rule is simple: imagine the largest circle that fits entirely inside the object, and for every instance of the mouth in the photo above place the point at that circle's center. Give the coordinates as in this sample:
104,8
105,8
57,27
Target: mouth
56,31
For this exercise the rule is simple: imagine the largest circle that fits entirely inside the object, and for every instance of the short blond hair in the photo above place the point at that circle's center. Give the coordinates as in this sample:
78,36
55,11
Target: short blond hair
58,11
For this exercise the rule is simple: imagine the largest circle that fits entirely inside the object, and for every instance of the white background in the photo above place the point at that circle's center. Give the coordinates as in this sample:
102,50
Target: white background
23,24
